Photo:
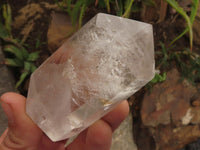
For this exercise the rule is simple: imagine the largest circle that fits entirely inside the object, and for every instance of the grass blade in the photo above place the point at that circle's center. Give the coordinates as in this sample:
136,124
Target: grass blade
178,37
75,12
3,32
33,56
22,78
119,7
13,62
194,9
107,5
8,17
33,68
128,7
69,10
14,50
81,15
180,10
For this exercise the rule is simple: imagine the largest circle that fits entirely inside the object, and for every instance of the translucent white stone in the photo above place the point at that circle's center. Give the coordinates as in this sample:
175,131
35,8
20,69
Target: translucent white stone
105,62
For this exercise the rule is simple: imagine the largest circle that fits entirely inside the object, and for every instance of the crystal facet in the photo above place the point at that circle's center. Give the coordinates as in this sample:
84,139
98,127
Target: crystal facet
105,62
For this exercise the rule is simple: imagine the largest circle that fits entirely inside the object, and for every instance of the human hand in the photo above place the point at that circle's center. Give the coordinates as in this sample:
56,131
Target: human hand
23,134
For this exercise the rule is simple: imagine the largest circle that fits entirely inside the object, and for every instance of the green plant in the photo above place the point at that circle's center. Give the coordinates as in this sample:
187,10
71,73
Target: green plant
18,55
21,59
8,17
188,19
39,43
122,8
165,56
76,8
158,78
108,5
128,6
187,62
5,29
189,65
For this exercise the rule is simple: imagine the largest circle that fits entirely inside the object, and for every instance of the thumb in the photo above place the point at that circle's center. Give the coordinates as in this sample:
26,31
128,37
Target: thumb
20,126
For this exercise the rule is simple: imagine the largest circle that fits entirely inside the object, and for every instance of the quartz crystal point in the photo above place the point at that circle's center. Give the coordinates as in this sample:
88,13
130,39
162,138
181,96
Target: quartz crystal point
105,62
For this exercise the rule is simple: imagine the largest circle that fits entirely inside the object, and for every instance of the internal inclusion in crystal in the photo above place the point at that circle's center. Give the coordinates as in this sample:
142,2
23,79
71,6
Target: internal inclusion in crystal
105,62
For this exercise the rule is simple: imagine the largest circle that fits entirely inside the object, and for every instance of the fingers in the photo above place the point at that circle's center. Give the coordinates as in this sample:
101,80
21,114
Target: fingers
99,135
3,135
96,137
116,116
20,126
47,144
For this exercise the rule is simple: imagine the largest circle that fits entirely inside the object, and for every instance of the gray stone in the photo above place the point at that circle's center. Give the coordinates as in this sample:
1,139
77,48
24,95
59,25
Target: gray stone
6,84
123,136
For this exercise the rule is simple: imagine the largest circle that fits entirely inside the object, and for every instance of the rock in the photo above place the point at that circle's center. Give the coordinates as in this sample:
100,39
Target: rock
59,30
6,85
169,138
123,137
25,21
32,11
169,101
172,113
29,11
193,146
29,15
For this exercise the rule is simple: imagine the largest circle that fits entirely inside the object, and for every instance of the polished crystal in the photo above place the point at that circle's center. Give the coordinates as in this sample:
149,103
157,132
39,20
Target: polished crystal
105,62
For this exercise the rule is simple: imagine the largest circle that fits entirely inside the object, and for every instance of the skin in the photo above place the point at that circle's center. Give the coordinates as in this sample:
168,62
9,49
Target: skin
23,134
